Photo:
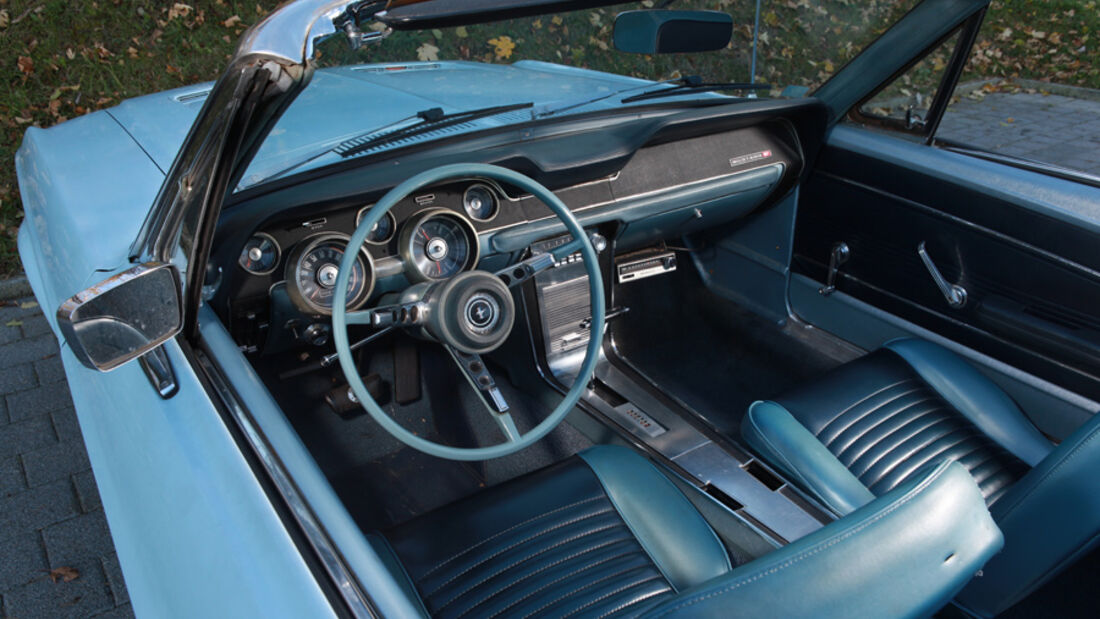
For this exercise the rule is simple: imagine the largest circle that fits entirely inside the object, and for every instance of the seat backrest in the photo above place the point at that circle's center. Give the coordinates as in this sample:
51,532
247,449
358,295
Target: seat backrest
905,554
1050,517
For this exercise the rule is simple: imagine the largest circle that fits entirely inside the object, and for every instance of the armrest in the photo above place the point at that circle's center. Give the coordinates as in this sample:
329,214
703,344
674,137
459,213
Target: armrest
905,554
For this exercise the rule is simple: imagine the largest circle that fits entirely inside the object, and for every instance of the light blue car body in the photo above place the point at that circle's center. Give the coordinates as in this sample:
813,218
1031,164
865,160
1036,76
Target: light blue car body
196,533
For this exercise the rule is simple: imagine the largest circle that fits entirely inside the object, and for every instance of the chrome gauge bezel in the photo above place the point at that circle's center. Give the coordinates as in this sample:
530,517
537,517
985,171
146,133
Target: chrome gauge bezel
278,254
388,215
412,224
307,245
496,202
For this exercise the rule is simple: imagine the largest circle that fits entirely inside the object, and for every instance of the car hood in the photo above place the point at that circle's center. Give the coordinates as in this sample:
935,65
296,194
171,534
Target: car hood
344,102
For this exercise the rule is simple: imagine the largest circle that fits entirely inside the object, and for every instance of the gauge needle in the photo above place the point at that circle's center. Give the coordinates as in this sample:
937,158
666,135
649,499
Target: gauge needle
426,237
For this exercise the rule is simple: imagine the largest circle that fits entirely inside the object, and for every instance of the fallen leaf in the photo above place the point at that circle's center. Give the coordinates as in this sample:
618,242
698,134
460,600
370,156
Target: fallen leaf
503,46
14,323
5,19
461,32
28,305
232,21
25,64
179,9
64,574
427,52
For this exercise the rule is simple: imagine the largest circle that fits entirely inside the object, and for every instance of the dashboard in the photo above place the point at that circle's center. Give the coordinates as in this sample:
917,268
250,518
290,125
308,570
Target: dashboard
280,252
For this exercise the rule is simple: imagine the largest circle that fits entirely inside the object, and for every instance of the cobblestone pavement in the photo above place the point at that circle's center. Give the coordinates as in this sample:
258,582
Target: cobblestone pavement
56,554
1049,128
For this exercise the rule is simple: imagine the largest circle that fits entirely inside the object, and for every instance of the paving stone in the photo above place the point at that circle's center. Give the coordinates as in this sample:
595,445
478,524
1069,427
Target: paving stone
49,370
23,560
114,578
26,350
34,326
16,311
87,492
9,334
26,435
87,595
55,462
35,508
66,425
126,611
32,402
11,476
77,539
17,378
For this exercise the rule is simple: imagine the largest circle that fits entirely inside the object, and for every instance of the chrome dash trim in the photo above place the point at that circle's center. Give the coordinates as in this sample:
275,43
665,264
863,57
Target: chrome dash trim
352,593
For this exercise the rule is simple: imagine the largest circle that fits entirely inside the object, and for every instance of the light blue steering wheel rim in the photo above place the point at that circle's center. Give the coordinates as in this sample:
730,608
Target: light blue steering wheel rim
595,290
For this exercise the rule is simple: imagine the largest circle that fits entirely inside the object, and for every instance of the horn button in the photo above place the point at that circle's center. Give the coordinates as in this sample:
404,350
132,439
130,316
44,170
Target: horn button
473,312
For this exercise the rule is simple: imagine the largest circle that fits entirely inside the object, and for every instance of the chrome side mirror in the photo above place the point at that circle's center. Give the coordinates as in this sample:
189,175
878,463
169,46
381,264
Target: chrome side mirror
124,317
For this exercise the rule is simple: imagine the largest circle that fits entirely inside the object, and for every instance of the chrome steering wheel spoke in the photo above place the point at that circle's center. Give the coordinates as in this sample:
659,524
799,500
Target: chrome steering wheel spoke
477,374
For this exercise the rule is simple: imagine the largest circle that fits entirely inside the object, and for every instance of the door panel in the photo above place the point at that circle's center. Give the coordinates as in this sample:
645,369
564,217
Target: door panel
1023,245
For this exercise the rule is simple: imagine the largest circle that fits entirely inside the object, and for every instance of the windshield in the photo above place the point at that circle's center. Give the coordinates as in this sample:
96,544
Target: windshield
416,86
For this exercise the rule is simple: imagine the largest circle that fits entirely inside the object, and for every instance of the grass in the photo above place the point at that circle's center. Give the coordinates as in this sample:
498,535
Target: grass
62,58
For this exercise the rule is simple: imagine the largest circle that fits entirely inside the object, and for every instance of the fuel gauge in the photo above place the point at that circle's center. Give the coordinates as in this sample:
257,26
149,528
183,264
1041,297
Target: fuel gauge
381,232
260,255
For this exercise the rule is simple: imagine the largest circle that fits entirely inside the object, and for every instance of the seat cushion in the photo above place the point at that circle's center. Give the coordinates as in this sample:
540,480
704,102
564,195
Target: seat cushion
883,421
567,540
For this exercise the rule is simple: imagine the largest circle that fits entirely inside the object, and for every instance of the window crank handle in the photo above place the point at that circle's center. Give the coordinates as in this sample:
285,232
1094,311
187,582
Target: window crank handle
955,294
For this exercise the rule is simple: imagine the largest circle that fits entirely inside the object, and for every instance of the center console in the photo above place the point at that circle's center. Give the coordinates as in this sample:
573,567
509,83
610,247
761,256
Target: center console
640,412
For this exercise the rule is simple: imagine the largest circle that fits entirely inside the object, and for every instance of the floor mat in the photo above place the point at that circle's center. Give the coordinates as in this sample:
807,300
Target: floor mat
705,351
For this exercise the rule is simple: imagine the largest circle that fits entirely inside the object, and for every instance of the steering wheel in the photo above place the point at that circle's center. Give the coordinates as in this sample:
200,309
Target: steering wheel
470,314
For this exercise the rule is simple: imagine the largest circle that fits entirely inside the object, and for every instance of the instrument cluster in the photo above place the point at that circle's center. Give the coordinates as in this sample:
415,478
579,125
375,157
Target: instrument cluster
430,236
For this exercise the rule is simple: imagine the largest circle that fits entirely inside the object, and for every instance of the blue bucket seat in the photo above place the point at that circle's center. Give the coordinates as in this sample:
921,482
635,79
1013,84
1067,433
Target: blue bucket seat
606,534
872,424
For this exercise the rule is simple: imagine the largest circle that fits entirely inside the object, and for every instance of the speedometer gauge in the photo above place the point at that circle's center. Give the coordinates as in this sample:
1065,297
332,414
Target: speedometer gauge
480,202
260,254
437,244
312,270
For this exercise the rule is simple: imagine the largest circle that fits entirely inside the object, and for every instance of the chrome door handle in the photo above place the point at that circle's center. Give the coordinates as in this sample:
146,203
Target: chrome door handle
955,294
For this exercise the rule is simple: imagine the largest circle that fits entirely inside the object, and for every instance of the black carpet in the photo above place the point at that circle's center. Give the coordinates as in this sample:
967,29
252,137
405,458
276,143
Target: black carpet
380,480
704,350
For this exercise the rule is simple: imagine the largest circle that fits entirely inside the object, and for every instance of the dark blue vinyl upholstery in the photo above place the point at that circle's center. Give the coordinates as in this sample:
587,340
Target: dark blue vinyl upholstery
554,544
606,534
885,416
883,422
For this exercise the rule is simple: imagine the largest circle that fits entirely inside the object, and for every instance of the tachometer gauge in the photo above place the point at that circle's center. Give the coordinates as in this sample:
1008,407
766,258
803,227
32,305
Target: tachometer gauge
381,232
260,254
312,270
480,202
437,244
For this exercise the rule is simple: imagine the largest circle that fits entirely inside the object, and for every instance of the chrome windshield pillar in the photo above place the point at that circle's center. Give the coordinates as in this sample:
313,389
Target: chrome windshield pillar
272,65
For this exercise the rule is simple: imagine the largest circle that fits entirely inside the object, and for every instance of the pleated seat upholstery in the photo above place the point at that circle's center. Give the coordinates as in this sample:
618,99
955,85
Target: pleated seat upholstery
871,424
606,534
557,545
894,423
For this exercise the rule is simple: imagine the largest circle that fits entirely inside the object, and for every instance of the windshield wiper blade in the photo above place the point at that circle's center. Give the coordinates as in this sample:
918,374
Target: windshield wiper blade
430,120
693,84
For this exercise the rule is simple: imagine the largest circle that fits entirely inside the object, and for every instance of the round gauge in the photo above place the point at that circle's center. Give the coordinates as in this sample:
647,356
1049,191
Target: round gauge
382,231
312,270
438,244
260,254
480,202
